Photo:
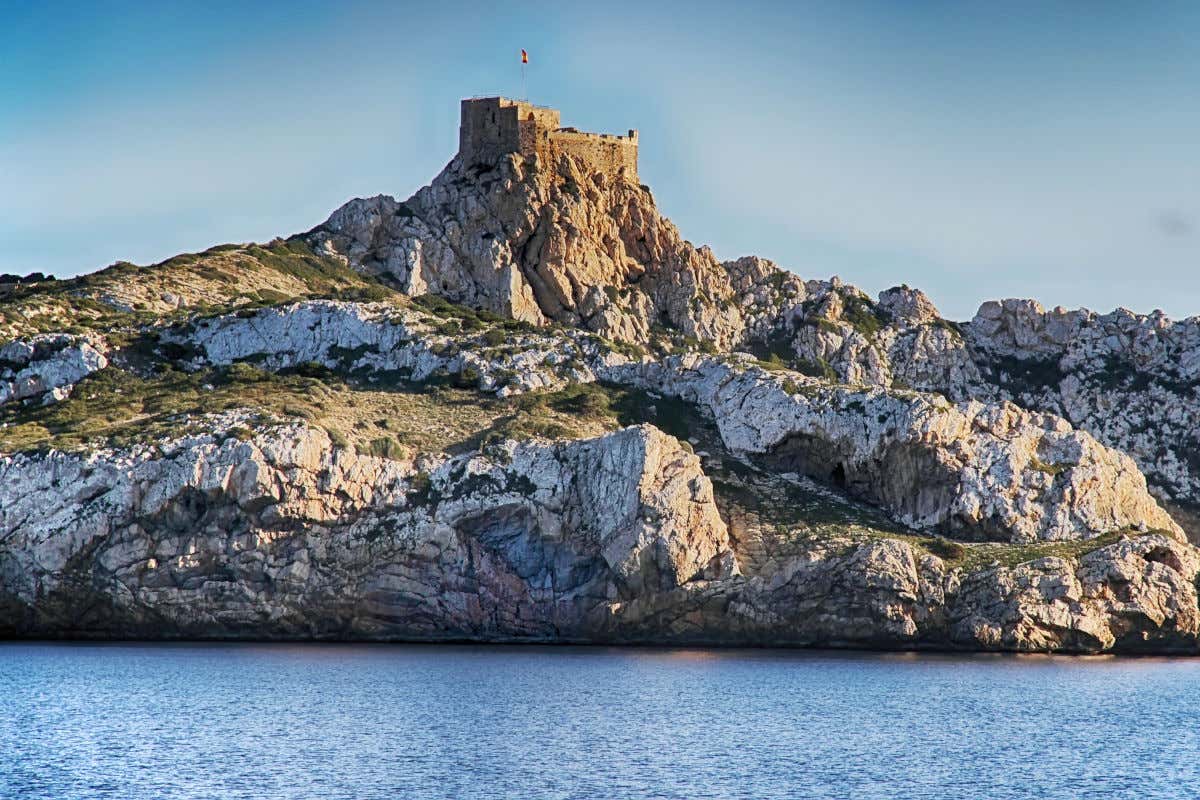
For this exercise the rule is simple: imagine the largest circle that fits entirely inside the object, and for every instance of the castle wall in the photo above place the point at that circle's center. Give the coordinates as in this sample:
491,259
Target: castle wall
604,152
491,127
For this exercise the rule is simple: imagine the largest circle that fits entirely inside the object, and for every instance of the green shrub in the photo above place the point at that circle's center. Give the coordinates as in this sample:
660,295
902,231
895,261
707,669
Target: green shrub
468,378
945,548
862,314
421,491
948,325
242,372
241,434
308,369
440,306
817,369
1049,469
772,362
585,400
1028,374
272,297
368,293
386,447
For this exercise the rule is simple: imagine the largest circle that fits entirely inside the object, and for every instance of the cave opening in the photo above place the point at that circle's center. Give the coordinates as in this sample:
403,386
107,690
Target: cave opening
838,476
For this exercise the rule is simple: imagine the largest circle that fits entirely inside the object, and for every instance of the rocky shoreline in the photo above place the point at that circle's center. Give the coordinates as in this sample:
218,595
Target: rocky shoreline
616,539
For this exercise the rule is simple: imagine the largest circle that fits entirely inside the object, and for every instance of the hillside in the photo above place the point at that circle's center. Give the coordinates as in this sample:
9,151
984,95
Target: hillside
519,406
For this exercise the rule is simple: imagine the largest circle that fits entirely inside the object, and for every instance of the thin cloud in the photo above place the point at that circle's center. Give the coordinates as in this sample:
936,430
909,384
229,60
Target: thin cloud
1174,224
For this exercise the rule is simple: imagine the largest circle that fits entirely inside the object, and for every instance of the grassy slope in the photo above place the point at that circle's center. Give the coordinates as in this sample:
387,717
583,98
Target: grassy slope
125,297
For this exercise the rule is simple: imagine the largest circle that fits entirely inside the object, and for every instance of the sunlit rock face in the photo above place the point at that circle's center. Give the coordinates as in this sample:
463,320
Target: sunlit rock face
974,470
375,339
610,539
44,368
554,243
286,535
1131,380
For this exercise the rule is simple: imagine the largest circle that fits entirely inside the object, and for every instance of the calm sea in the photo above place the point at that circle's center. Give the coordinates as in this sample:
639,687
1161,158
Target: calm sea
381,721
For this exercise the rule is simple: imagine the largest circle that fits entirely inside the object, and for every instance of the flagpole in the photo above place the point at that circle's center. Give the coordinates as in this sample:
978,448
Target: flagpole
524,88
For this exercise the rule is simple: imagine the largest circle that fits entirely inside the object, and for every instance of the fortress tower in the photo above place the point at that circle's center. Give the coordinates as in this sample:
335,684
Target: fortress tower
494,126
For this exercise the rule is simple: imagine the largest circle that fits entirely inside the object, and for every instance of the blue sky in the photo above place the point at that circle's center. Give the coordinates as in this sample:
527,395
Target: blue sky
974,150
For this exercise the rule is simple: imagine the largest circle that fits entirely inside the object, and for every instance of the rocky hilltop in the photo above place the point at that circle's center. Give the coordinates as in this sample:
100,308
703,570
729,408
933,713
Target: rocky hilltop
519,406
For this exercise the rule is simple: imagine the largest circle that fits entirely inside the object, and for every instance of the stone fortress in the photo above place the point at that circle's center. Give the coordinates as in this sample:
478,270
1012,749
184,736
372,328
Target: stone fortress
495,126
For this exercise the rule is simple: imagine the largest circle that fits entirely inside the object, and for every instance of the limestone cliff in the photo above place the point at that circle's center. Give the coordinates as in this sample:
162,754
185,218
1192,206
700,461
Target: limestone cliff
552,242
46,366
974,470
519,406
555,243
286,535
613,539
1131,380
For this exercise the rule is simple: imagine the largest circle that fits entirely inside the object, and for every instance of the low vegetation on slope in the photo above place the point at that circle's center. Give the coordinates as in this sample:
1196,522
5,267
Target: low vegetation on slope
126,297
772,517
152,392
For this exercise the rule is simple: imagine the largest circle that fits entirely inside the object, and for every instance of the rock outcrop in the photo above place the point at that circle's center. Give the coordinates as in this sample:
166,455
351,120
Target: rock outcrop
615,539
468,442
976,471
46,367
1115,596
378,339
1137,595
969,469
551,242
1132,381
286,535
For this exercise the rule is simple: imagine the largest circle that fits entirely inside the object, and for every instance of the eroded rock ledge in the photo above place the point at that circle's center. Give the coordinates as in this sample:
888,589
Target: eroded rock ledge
974,470
978,471
286,535
44,368
613,539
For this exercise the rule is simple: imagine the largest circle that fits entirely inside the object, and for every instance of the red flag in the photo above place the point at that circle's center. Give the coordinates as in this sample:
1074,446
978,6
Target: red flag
524,56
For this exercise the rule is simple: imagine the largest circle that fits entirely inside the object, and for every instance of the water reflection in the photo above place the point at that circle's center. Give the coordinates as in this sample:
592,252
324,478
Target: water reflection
360,721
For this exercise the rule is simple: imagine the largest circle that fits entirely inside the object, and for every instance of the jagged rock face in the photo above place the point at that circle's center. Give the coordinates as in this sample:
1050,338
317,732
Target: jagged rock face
972,470
899,341
949,428
1137,595
1108,598
613,539
47,366
284,535
1133,381
377,339
977,471
543,242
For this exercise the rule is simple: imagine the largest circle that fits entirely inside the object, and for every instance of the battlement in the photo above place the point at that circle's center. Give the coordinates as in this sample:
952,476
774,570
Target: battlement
495,126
